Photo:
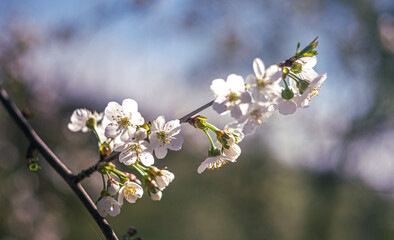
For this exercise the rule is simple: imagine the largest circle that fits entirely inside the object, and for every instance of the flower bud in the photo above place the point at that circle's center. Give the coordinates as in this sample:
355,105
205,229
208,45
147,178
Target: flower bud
140,134
113,186
105,150
226,139
91,123
156,196
287,93
198,122
296,68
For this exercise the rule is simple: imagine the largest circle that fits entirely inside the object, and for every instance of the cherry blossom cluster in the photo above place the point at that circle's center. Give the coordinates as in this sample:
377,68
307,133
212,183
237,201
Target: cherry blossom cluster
121,128
283,87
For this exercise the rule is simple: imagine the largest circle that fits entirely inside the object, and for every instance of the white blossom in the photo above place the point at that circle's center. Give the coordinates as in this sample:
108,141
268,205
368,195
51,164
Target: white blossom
311,91
163,179
214,162
79,118
230,95
266,84
308,73
123,119
256,115
113,187
133,151
108,205
131,191
156,196
165,136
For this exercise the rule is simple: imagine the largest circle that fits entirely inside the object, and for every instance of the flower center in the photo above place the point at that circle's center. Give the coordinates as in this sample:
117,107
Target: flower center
124,122
163,137
261,84
130,191
233,97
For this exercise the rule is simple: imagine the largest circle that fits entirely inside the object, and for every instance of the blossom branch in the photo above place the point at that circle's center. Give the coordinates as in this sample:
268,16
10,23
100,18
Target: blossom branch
56,163
87,172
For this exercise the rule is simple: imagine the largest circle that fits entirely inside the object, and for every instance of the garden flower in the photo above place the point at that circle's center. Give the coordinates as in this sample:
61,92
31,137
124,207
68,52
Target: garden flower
311,91
163,179
133,151
108,205
123,119
113,187
131,191
266,84
214,162
80,117
230,95
165,136
255,116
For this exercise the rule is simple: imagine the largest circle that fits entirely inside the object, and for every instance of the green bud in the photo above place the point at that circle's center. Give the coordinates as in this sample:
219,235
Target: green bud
296,68
199,122
33,164
287,93
105,150
34,167
91,123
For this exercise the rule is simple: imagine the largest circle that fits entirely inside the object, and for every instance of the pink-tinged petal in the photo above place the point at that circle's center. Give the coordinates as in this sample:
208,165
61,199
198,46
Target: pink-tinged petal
245,97
233,152
236,112
220,108
121,195
273,74
129,106
147,159
287,107
259,68
115,208
146,146
127,158
113,111
235,83
201,168
112,130
219,88
176,144
160,152
249,128
120,147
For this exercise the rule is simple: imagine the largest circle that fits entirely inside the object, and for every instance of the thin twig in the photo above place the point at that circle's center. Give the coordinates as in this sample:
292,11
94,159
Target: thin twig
55,162
186,118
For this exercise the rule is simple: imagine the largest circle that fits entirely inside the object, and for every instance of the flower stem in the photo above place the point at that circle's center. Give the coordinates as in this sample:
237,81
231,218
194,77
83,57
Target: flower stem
210,139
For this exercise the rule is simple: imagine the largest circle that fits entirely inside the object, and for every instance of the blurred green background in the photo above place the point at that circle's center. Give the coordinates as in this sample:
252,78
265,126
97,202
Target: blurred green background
326,172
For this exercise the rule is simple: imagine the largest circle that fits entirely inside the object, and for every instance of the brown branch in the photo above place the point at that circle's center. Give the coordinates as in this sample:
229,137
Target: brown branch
55,162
